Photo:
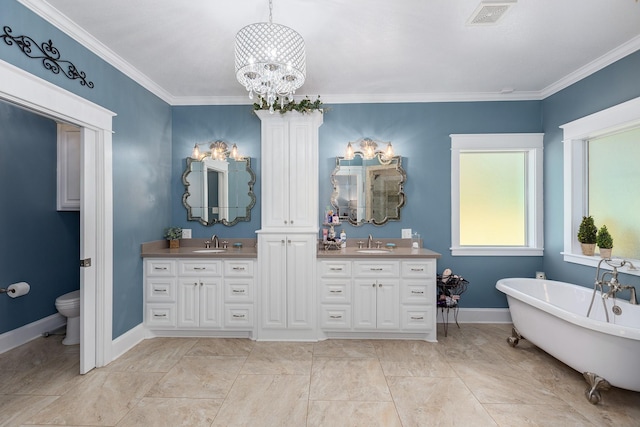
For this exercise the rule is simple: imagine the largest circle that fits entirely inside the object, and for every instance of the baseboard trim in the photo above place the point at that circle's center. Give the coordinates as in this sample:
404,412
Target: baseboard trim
31,331
127,341
476,315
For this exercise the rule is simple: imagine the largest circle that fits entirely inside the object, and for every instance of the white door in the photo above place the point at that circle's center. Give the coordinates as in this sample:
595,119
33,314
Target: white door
273,288
388,304
300,281
210,303
88,243
188,307
364,303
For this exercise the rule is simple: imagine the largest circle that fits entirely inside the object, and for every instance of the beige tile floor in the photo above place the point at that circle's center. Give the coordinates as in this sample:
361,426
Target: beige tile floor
470,378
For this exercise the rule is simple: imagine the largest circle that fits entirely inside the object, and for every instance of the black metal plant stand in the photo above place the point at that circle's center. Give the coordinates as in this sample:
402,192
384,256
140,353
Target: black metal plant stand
450,287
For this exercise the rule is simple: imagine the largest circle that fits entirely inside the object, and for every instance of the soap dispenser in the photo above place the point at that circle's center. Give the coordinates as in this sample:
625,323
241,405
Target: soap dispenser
343,239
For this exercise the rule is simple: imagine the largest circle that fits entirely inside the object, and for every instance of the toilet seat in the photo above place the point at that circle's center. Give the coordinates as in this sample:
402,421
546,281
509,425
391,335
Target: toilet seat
69,299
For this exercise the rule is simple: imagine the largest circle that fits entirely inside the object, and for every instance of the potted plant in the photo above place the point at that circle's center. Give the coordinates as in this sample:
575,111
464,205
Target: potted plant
172,234
587,235
605,242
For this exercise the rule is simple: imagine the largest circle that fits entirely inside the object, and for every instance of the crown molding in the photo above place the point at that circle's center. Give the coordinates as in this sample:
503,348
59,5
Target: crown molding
592,67
43,9
47,12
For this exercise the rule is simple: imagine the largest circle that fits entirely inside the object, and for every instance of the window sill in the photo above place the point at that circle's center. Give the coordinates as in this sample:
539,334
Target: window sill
592,261
496,251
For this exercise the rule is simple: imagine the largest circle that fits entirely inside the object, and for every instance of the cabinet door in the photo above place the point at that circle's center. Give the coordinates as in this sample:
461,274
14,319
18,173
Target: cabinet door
303,175
273,285
364,304
388,304
68,170
210,304
188,307
301,269
275,173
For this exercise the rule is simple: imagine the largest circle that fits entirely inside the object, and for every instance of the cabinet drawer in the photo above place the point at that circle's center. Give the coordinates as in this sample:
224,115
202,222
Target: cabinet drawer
418,292
411,269
376,268
238,290
417,318
238,268
157,267
335,268
199,268
335,290
238,316
161,315
335,317
160,289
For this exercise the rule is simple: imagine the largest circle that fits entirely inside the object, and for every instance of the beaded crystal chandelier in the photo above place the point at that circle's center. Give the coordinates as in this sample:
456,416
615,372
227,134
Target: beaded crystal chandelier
270,60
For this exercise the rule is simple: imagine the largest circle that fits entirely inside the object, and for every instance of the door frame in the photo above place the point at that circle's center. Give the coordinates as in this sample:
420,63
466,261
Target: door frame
96,216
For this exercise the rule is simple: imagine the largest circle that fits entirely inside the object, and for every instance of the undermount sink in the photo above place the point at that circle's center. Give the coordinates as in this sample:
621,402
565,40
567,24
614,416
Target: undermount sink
209,251
373,251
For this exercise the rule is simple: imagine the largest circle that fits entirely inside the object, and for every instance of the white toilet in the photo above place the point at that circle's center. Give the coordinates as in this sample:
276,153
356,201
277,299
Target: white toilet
69,306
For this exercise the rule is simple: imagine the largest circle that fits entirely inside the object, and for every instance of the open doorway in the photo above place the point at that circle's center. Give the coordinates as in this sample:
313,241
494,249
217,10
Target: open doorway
96,218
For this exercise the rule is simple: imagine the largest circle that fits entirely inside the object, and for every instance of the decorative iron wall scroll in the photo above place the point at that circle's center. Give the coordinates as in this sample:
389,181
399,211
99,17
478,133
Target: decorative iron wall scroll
48,53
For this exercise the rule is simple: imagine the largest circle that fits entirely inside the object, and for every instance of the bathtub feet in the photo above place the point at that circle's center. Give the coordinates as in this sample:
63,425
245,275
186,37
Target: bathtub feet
596,384
515,337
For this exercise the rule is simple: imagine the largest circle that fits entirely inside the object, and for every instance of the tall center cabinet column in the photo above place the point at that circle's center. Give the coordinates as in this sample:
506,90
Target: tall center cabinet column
287,241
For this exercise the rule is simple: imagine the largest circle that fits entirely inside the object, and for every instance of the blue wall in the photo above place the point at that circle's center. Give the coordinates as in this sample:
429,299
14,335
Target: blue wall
198,125
613,85
39,245
141,158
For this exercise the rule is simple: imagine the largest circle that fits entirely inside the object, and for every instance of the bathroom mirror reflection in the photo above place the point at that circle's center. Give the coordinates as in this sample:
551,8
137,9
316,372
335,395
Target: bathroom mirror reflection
218,191
368,191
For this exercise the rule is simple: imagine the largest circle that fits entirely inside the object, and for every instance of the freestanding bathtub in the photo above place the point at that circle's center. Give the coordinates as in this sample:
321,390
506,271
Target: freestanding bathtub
553,316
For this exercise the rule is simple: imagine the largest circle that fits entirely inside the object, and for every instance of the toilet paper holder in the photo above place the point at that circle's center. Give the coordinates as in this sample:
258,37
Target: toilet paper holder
16,290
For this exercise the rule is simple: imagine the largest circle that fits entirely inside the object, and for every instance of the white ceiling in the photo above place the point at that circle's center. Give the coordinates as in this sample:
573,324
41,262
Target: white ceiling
357,50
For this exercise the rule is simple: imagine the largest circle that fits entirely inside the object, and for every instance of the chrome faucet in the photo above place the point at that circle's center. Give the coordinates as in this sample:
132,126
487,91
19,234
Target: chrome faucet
216,241
370,241
613,284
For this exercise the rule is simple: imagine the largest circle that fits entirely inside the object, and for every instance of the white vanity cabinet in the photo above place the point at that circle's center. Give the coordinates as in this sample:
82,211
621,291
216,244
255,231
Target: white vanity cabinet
289,170
378,296
287,274
183,294
287,240
199,294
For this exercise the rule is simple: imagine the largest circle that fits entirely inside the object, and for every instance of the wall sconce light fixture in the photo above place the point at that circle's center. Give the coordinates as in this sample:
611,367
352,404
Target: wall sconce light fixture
369,150
218,151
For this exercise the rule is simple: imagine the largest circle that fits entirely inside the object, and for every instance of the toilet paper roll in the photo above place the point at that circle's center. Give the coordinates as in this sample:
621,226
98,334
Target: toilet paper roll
18,289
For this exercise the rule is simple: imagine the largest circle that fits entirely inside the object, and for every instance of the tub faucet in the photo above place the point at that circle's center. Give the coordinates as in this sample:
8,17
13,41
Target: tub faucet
370,241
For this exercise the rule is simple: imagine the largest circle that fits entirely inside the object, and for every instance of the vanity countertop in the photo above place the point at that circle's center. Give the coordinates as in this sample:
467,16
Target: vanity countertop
403,249
188,248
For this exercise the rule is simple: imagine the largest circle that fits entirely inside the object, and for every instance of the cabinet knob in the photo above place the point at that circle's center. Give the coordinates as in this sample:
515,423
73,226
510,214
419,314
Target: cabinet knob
285,221
195,283
374,285
282,241
291,221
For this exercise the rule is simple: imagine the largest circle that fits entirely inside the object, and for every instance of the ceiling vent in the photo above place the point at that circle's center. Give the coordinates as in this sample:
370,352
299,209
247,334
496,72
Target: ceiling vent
490,12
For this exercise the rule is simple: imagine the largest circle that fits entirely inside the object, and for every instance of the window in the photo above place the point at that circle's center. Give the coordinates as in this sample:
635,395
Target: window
600,169
496,194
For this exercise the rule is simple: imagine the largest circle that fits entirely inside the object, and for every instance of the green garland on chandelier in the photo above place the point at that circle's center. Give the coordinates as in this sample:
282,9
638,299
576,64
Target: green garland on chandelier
304,106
